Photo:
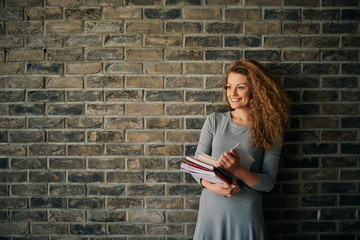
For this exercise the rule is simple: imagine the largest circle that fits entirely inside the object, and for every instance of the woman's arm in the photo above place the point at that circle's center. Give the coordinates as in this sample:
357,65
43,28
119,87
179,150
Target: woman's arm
263,181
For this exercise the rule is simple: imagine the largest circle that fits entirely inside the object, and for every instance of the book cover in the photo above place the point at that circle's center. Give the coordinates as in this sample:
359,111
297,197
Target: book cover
245,158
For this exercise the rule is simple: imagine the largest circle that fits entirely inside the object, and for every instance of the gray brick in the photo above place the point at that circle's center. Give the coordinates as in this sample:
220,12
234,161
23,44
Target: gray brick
28,163
164,96
14,228
146,216
28,190
82,41
87,229
123,40
43,14
66,216
169,177
68,54
123,95
33,27
223,55
29,216
162,14
125,177
84,14
104,54
46,149
85,150
226,28
163,203
242,41
84,96
27,136
184,55
339,28
263,55
108,216
183,27
143,2
137,229
86,203
104,82
48,228
66,109
40,202
106,190
200,41
66,163
46,68
145,163
67,190
204,96
283,14
26,109
45,96
146,190
46,122
14,202
11,15
124,203
183,2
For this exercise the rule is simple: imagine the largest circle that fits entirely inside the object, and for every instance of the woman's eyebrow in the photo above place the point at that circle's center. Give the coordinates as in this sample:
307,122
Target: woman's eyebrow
237,84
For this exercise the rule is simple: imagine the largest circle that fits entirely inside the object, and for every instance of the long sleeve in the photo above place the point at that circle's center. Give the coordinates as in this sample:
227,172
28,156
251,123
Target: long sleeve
268,173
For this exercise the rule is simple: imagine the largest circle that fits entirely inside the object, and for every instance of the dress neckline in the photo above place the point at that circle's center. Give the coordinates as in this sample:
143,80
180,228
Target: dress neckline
228,114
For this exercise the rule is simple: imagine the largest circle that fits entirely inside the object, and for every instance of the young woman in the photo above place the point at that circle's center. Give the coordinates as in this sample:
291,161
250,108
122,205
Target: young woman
258,116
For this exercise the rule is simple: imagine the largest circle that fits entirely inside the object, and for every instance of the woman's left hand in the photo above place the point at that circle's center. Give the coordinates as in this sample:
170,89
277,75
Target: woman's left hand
229,161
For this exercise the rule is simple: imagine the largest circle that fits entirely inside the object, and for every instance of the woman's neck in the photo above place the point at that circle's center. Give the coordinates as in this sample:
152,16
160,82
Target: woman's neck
240,116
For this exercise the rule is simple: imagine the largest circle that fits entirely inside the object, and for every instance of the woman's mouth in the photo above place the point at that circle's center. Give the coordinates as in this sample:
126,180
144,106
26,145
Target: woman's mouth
235,99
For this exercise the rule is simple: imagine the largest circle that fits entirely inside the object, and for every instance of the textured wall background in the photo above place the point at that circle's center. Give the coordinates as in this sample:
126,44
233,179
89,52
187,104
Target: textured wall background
101,99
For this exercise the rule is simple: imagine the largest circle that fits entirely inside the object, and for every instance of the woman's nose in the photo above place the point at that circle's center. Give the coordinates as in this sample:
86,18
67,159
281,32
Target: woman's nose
233,92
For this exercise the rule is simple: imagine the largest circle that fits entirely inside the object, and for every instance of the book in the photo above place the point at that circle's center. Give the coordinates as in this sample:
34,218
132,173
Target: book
195,161
245,158
207,159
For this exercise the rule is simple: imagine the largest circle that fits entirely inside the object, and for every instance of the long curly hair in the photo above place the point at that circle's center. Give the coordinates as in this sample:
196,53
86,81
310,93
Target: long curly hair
269,115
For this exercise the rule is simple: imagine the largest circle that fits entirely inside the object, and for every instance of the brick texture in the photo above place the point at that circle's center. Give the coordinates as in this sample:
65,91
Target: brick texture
101,99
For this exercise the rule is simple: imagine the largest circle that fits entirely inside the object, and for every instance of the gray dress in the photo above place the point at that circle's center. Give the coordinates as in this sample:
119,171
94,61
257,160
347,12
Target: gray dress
239,217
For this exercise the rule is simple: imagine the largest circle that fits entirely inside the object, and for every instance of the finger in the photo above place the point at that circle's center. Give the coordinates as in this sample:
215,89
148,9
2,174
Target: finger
229,156
222,161
232,151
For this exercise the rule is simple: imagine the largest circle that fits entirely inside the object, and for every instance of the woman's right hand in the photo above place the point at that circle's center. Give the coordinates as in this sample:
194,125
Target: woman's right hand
223,189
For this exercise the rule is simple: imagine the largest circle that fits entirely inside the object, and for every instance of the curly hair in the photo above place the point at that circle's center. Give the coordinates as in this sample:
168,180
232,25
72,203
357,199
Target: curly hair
269,114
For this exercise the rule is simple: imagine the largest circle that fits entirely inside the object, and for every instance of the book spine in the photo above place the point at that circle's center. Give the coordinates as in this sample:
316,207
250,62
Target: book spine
205,165
207,160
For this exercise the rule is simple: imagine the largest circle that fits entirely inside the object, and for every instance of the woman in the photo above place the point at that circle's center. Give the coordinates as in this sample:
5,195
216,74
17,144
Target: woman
257,118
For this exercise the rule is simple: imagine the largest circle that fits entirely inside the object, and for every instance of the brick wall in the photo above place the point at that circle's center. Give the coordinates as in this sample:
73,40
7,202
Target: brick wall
101,99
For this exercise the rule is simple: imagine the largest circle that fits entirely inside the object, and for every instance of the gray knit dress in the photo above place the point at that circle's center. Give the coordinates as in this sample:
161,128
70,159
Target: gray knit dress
239,217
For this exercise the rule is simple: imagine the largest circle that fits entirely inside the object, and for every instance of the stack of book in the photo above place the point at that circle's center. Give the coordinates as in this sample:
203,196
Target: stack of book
204,166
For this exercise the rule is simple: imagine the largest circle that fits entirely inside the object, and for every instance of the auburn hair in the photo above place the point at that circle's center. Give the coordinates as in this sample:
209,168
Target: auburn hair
269,114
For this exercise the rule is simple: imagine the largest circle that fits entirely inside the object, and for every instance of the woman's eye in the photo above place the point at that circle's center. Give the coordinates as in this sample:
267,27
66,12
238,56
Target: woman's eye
241,88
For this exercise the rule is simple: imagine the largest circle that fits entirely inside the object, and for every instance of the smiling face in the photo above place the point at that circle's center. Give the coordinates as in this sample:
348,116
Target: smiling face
238,91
